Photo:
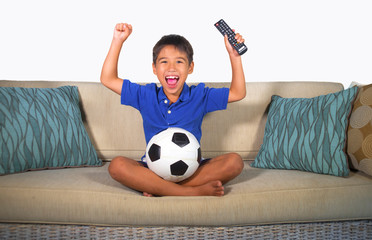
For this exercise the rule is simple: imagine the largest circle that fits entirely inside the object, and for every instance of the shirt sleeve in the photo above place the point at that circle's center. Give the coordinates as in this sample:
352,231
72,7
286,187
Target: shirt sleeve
217,99
130,94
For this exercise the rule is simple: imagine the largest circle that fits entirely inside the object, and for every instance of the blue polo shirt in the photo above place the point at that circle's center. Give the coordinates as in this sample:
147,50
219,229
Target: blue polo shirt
187,113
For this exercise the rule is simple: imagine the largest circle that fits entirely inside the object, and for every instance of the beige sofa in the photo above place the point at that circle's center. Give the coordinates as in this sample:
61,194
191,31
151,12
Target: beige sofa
88,196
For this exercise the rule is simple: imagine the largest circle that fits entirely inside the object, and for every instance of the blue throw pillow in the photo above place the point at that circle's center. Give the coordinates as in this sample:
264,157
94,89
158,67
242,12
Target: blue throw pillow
307,134
42,128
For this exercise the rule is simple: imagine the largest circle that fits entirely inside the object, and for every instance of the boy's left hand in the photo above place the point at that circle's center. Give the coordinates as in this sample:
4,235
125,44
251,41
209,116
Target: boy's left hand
229,48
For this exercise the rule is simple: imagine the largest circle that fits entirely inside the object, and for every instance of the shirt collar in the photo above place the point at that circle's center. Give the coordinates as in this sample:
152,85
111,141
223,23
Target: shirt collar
185,94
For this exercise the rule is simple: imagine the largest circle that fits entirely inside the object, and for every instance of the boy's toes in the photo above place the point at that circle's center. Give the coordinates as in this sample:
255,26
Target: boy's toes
218,188
147,194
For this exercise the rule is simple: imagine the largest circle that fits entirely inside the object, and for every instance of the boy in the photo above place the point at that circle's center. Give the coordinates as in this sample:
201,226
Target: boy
173,105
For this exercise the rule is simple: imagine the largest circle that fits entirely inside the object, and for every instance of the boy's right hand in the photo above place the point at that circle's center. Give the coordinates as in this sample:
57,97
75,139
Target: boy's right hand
122,31
109,73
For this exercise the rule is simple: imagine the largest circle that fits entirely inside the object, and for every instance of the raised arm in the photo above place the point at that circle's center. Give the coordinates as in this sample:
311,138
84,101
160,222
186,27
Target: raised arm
109,73
237,87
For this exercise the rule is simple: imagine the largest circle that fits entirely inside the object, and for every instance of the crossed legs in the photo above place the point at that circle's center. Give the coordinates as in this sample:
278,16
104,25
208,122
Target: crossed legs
206,181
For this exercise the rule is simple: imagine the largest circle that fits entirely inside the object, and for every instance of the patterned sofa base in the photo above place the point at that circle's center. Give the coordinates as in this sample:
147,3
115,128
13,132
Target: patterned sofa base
325,230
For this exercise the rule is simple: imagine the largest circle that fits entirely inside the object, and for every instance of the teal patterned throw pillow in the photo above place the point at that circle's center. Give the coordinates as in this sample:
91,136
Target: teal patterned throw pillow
42,128
307,134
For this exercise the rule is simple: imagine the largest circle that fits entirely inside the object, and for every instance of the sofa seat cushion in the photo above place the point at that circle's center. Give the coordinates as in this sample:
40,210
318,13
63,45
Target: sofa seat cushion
257,196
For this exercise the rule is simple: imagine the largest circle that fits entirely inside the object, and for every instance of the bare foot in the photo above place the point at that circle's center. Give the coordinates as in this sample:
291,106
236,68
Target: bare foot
212,188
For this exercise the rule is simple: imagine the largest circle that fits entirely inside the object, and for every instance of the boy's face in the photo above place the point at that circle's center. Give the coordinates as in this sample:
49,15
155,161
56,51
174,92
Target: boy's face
172,68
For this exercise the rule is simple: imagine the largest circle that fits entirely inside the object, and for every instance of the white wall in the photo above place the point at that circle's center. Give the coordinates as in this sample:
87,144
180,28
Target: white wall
288,40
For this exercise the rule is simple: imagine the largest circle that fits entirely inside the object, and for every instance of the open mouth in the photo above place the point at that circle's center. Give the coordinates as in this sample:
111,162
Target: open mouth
172,80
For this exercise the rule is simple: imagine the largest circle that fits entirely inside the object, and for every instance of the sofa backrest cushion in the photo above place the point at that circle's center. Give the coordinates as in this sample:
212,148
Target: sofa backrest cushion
116,129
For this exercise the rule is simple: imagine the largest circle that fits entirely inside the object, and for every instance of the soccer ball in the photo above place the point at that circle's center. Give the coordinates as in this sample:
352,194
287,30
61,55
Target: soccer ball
173,154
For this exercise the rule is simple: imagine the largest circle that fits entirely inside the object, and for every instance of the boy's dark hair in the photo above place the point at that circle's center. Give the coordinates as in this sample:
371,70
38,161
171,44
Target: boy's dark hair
178,41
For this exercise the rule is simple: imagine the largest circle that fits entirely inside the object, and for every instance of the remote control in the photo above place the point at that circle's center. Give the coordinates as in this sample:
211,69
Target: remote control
226,30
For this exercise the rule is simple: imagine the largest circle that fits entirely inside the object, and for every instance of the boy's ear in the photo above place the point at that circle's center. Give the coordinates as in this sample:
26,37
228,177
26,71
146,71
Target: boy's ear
154,68
191,67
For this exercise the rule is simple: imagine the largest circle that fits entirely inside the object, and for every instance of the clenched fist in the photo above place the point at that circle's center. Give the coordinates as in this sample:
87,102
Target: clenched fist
122,31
